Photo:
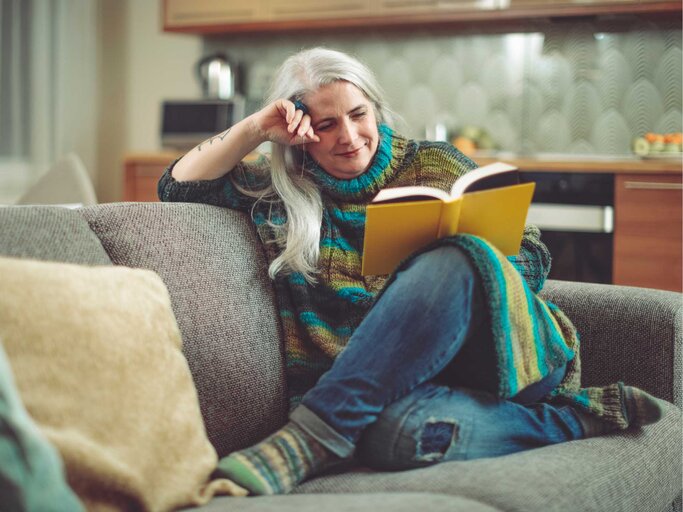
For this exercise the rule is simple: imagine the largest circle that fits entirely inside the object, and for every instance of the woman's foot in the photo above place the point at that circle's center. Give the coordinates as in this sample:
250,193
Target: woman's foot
277,464
639,408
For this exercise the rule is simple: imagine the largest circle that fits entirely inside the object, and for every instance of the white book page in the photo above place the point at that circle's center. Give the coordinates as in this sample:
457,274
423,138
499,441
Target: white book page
391,194
461,184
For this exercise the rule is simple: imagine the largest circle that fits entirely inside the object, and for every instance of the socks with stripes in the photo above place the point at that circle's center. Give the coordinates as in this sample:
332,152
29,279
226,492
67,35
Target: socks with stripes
277,464
639,409
642,408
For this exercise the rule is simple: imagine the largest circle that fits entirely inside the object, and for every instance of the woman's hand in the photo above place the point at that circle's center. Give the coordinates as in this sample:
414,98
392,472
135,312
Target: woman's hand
281,122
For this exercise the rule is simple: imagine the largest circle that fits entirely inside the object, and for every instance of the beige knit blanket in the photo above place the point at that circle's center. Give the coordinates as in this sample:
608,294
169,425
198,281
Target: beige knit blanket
97,358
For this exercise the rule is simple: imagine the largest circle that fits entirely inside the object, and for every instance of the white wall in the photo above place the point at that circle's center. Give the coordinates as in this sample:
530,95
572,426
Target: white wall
140,67
161,66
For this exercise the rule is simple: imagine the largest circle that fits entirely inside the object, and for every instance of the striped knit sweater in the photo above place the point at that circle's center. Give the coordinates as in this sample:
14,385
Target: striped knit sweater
532,337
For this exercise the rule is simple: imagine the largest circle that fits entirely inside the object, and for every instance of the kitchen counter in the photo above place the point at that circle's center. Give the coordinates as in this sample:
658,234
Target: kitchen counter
592,163
539,163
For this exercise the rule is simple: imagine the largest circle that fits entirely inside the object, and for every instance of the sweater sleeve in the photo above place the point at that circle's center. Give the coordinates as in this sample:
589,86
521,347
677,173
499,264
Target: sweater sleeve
225,191
533,260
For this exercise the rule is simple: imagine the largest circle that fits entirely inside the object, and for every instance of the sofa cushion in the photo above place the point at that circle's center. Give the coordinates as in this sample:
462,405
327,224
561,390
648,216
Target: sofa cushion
637,330
630,471
379,502
97,360
216,275
49,233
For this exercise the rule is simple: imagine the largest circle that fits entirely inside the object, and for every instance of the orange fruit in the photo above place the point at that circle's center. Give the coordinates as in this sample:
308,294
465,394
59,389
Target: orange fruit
465,144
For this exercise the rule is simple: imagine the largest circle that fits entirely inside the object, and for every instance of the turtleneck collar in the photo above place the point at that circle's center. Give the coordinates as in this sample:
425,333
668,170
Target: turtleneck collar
388,157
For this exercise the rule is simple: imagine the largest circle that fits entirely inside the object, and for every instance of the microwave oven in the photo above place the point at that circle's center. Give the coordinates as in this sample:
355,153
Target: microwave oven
184,124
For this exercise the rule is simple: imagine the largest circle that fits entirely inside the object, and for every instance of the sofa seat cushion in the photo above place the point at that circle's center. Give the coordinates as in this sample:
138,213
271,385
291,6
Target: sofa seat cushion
97,359
633,470
377,502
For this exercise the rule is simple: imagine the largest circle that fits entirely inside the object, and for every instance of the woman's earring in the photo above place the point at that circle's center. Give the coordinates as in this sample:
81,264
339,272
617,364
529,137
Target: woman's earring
298,104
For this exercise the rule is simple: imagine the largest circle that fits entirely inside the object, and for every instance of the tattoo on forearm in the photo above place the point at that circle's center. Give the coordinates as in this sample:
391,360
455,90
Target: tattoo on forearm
220,137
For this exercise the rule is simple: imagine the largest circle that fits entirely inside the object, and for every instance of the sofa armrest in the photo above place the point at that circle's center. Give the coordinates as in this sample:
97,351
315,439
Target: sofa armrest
627,333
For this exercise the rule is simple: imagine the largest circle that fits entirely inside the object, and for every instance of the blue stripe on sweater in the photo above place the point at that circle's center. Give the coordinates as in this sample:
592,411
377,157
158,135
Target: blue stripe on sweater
355,219
297,278
312,319
582,398
504,317
354,294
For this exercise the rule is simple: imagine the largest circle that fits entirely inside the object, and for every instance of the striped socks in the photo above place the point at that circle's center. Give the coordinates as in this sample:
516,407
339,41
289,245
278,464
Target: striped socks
277,464
639,408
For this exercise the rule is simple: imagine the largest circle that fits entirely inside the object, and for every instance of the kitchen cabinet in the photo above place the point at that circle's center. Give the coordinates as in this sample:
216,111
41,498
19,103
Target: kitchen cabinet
233,16
200,14
281,10
646,241
647,231
395,7
141,173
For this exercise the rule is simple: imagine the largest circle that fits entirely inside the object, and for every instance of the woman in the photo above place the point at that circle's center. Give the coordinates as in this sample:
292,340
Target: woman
451,357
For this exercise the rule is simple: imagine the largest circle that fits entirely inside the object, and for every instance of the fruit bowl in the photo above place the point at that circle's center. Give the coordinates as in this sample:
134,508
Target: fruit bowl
659,145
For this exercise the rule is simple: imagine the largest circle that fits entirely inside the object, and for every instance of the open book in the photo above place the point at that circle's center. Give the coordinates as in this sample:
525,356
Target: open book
488,202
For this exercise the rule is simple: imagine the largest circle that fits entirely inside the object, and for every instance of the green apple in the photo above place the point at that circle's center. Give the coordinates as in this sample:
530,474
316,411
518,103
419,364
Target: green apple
641,147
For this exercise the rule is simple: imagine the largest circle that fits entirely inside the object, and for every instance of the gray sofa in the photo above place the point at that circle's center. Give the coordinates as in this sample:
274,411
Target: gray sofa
216,275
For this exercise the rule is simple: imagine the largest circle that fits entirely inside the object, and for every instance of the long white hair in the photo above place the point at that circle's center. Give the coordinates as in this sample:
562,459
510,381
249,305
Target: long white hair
299,236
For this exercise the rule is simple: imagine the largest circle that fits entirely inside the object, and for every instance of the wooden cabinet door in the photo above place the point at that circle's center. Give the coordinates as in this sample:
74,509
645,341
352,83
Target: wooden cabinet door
287,10
589,7
141,174
398,7
188,13
245,16
647,231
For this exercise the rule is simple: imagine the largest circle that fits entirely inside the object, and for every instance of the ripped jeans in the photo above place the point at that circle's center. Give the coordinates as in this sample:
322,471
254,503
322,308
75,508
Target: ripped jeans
415,384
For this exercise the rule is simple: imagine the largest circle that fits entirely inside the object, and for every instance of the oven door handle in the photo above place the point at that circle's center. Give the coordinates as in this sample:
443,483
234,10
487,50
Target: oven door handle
572,217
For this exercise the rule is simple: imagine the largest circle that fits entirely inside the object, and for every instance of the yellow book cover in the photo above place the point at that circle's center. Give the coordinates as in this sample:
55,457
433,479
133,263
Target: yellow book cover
488,202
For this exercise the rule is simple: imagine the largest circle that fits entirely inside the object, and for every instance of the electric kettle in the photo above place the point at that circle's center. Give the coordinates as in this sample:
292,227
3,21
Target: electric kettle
217,77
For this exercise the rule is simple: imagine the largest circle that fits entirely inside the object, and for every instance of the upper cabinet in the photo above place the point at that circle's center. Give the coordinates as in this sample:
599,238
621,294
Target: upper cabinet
213,16
281,10
395,7
206,15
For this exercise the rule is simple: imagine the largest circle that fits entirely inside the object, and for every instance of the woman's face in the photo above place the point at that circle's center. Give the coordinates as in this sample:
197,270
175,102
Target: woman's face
345,121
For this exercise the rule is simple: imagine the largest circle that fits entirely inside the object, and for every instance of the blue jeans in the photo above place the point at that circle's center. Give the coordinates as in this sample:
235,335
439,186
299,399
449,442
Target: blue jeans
415,384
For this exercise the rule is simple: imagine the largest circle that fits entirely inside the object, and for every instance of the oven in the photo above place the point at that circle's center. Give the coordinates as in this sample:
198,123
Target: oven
575,212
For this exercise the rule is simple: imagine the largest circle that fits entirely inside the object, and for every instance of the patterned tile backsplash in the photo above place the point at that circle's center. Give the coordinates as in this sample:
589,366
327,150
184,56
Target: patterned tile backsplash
571,87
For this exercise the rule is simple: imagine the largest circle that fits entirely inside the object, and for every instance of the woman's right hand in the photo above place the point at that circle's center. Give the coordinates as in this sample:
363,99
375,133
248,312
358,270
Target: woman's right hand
281,122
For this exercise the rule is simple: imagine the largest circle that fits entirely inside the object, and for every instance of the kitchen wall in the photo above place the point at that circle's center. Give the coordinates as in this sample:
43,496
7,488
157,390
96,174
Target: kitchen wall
574,87
140,67
568,87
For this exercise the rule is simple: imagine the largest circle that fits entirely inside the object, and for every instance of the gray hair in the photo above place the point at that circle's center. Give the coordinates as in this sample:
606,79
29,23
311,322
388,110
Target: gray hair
300,74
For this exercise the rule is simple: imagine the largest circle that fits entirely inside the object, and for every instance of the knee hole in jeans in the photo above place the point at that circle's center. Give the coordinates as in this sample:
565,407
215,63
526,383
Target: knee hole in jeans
435,438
